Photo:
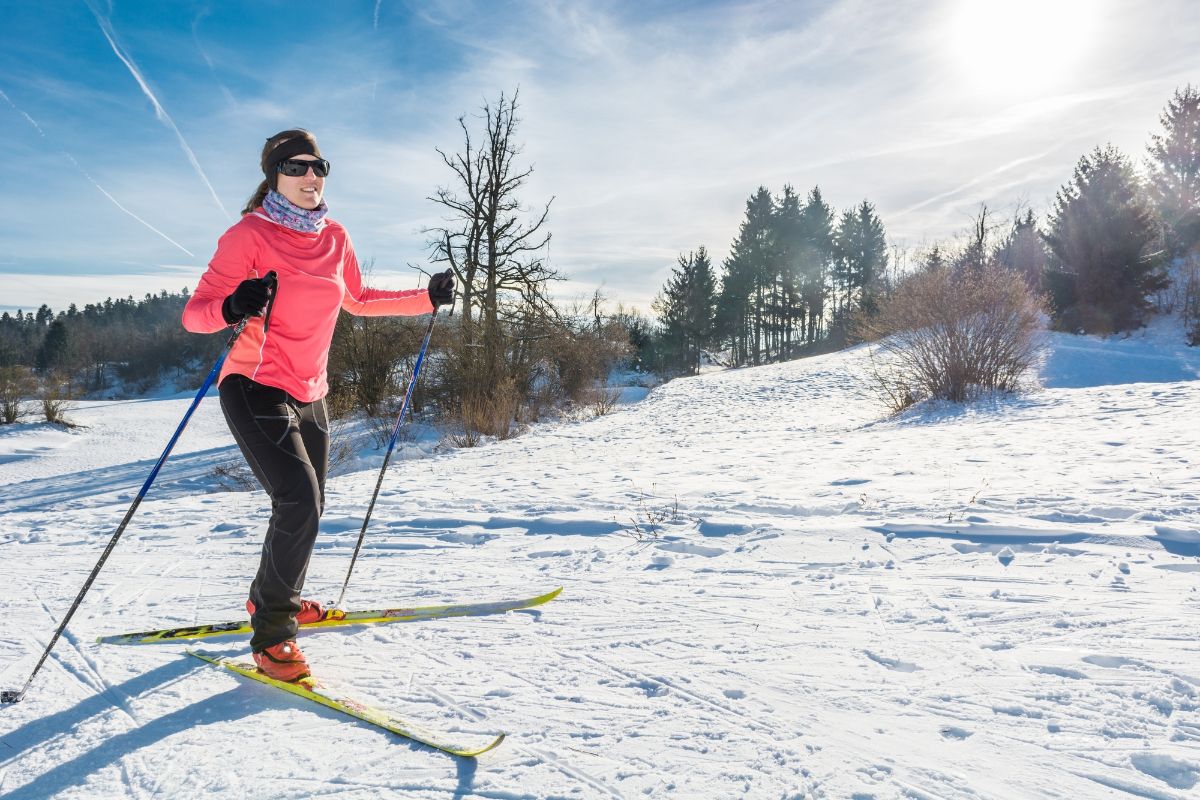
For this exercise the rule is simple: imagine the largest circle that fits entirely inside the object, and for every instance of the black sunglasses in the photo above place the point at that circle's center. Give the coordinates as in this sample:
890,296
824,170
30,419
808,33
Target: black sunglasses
296,168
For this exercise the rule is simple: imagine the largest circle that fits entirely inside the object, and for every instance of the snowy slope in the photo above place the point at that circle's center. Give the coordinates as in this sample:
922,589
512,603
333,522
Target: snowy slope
771,591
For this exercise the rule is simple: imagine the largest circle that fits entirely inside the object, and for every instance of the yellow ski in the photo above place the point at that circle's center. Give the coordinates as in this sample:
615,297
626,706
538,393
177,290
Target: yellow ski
334,617
465,745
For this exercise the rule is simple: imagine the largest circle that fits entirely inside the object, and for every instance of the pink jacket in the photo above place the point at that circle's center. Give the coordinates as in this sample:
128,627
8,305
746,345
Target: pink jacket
318,276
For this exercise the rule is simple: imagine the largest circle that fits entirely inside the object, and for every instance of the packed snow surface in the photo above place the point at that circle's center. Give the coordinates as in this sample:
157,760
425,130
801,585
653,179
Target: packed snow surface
772,591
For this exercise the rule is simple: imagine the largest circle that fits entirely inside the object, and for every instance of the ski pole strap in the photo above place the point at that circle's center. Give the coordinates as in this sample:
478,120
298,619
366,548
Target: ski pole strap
412,382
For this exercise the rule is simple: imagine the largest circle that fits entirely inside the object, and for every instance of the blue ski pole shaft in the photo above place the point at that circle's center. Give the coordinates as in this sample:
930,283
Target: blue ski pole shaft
16,696
412,382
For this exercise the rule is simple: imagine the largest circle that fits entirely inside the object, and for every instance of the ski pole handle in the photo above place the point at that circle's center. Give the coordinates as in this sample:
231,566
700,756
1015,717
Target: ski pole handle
272,282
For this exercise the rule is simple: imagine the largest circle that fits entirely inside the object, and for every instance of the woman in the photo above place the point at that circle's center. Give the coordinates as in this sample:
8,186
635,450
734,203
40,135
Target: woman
273,384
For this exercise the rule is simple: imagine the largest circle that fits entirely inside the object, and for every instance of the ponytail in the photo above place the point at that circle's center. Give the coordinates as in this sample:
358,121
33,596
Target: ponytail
257,198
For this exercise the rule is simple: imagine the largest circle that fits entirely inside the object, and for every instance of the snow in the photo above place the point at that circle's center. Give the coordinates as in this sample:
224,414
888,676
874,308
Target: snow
772,590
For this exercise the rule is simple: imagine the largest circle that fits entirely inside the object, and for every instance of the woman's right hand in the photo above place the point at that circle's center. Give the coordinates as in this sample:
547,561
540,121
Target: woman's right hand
248,300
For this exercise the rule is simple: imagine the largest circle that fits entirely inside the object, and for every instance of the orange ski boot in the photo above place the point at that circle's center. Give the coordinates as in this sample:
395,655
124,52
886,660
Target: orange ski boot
283,662
310,611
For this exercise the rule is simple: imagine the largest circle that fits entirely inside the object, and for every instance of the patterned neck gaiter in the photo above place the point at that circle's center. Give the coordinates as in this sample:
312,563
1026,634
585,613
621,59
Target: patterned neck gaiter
286,213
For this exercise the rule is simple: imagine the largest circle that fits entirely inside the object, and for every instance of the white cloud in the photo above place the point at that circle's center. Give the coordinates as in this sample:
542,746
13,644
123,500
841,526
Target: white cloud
159,111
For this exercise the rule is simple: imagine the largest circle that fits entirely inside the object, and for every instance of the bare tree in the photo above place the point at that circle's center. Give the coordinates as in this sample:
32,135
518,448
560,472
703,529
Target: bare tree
495,246
977,251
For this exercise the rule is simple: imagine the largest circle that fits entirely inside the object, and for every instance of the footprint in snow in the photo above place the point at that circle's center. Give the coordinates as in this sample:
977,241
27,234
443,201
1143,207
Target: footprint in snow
651,688
892,663
1061,672
1114,662
952,732
690,548
550,554
1171,771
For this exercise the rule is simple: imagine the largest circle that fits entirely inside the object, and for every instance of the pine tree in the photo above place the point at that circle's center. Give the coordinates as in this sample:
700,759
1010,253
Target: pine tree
1174,167
702,304
1102,240
934,259
749,270
685,309
786,307
817,259
55,347
860,258
1023,250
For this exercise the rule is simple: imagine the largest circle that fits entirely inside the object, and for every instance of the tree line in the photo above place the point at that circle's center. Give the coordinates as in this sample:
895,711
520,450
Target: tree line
798,279
795,275
133,341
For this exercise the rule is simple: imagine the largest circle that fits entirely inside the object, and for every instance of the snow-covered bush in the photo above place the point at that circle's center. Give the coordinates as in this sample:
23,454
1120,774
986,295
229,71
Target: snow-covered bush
948,333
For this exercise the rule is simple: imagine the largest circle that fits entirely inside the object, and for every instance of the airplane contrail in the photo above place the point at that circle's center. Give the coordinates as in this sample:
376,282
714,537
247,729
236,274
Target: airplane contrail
159,111
71,158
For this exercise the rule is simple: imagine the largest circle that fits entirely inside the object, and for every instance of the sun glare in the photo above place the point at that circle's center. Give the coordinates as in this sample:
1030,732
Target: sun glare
1020,47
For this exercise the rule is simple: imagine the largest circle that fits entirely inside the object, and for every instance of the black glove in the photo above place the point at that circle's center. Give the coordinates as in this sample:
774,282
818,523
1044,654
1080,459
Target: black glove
248,300
441,288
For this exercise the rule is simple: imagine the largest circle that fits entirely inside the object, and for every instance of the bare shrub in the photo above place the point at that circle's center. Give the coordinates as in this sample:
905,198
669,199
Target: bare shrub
949,333
1182,295
341,443
235,475
650,514
580,359
369,359
380,428
341,400
491,414
1186,289
16,383
57,393
601,400
538,403
548,365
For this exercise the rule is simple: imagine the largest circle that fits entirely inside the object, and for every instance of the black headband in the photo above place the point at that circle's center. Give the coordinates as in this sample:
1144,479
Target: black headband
289,149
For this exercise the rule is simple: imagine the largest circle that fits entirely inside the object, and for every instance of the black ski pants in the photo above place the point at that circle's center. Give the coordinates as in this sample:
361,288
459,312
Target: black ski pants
286,443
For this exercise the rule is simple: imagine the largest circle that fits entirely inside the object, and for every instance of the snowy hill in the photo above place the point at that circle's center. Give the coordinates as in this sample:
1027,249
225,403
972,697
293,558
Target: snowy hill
771,591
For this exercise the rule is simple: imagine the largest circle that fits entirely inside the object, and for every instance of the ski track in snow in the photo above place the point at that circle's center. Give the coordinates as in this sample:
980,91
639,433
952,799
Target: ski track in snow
771,591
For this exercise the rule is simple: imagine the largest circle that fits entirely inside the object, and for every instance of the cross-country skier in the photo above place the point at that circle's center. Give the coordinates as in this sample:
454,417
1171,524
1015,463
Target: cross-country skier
273,384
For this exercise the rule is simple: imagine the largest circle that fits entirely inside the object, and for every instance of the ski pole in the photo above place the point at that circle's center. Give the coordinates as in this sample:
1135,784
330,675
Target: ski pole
412,381
13,696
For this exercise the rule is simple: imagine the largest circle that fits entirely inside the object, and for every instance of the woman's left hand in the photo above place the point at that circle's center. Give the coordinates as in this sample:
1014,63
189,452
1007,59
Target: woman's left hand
441,288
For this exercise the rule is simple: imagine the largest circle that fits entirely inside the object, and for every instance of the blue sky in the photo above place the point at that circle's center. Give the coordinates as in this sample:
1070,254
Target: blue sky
131,130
